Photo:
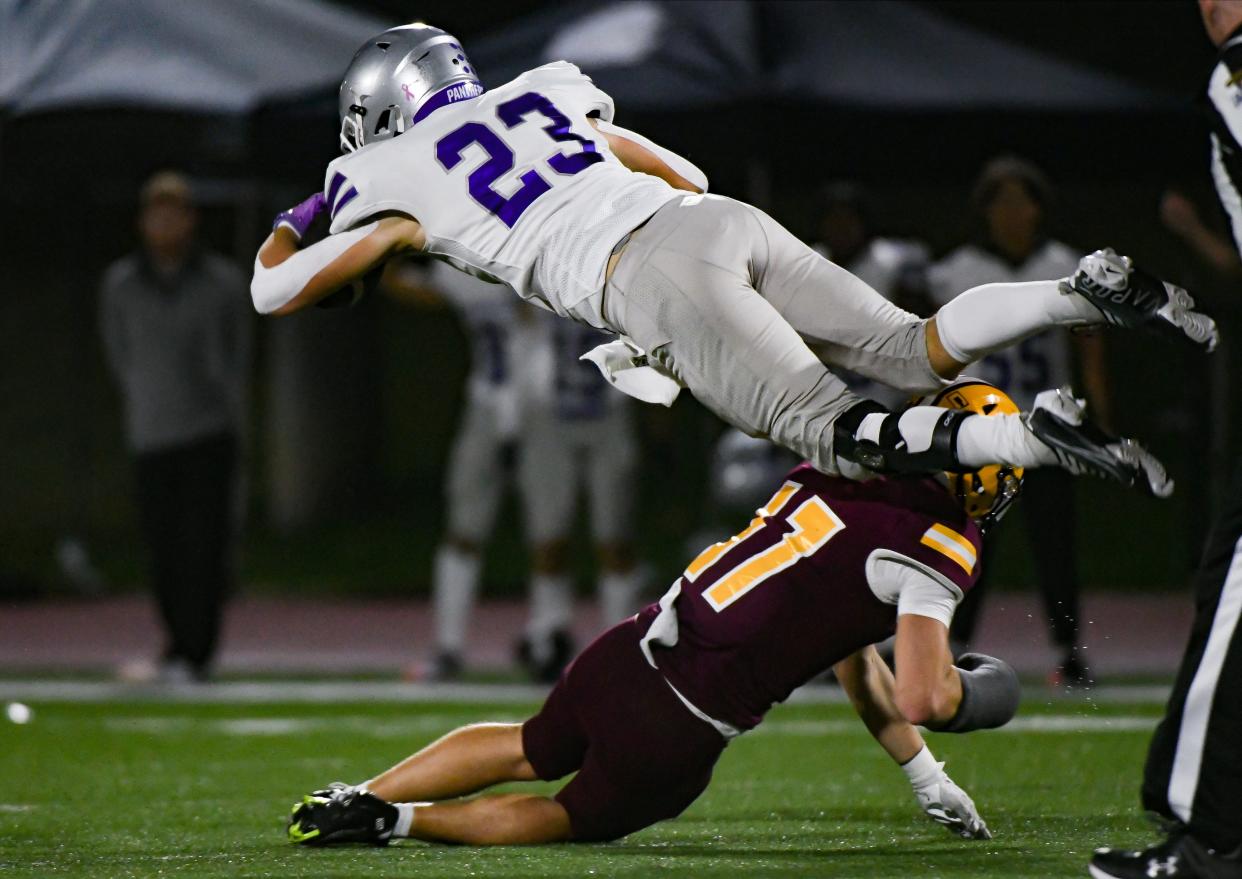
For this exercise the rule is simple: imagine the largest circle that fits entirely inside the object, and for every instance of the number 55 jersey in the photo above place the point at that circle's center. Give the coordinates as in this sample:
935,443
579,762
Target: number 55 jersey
514,185
823,570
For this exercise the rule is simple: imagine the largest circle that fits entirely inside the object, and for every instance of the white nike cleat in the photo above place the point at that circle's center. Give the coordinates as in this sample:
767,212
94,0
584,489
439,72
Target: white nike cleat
1129,297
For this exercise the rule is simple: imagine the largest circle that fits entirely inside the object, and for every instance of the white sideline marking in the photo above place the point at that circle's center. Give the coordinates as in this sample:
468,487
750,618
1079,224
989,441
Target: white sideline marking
331,692
282,726
430,724
1043,723
16,807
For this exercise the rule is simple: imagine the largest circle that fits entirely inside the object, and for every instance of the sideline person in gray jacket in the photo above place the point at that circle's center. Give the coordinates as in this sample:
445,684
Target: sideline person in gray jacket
176,330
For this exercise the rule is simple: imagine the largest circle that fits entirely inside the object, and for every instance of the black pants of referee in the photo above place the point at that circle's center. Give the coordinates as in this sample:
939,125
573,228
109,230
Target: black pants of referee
1194,764
186,507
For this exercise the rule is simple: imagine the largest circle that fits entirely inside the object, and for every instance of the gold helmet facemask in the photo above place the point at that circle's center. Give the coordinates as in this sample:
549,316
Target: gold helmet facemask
987,493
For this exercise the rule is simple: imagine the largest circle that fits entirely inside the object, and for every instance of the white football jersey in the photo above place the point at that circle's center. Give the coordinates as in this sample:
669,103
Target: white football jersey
1035,364
489,315
514,184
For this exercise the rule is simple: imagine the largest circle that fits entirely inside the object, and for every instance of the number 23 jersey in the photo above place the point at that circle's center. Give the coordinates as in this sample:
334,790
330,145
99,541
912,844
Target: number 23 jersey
513,185
824,569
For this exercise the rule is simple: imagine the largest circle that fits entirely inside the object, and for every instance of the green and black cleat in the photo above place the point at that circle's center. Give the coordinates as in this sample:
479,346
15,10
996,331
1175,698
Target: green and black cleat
340,815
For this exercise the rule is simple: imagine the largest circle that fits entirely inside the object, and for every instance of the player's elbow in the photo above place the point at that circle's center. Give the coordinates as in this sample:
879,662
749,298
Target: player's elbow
925,704
269,291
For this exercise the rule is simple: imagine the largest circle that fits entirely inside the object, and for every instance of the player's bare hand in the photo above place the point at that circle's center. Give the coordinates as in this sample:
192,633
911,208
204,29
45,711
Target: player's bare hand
946,803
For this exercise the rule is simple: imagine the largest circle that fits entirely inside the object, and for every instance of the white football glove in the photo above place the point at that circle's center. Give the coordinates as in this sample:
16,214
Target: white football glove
941,798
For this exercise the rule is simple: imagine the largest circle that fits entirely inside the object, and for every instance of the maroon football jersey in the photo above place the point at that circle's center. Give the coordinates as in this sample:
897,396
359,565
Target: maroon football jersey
766,611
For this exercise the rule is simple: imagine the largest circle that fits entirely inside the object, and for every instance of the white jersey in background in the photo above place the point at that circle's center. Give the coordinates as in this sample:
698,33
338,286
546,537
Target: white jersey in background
499,336
514,185
1036,363
577,433
884,261
883,264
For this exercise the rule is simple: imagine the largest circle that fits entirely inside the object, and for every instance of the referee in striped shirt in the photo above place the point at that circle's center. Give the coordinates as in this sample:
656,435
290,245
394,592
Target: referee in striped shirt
1193,777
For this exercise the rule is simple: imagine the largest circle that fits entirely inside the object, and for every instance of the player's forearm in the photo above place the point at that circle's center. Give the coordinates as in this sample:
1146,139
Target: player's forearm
641,154
287,279
870,687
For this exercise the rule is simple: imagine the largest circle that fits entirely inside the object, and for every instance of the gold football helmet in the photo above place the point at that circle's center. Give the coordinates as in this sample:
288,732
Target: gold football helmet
986,493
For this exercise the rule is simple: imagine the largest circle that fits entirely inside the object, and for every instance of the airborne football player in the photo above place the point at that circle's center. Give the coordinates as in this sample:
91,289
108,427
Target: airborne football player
532,183
825,570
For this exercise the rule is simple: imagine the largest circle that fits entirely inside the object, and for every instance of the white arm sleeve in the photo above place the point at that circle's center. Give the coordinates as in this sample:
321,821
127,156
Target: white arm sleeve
680,164
274,287
913,587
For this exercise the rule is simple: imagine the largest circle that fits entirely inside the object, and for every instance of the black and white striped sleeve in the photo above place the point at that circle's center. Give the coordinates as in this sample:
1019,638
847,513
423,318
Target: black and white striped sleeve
1225,96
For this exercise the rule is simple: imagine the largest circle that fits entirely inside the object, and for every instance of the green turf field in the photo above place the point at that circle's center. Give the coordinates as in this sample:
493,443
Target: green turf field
142,789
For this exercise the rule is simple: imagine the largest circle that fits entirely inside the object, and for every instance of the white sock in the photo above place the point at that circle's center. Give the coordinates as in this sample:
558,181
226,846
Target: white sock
981,440
551,607
922,769
456,581
405,819
619,594
1000,439
994,316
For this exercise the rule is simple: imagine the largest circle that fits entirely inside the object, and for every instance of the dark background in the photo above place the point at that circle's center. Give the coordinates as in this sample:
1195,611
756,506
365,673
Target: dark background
67,189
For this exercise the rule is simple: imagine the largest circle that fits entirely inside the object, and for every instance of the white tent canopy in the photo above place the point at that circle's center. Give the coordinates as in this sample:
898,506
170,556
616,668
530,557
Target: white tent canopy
214,56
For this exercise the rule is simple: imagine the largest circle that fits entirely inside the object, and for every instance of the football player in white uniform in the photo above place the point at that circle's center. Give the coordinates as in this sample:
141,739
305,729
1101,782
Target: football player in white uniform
501,331
577,438
531,183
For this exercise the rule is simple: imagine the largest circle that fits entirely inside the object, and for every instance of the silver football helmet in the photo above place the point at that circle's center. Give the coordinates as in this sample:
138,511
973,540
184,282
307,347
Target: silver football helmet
398,78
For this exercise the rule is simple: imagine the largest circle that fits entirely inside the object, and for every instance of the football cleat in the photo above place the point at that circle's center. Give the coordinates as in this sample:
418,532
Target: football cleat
545,660
1058,420
1129,297
341,814
1180,856
1071,674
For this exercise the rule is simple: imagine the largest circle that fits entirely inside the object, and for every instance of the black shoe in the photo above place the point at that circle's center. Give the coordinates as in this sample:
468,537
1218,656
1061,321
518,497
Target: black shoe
1082,448
342,814
1130,297
444,666
1180,856
545,661
1072,673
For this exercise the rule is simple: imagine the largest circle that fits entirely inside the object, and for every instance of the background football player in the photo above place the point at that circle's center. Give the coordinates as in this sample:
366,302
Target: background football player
1011,198
533,184
577,440
825,570
501,331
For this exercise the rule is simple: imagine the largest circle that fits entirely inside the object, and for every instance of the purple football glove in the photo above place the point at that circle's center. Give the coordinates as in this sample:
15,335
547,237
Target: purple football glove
299,217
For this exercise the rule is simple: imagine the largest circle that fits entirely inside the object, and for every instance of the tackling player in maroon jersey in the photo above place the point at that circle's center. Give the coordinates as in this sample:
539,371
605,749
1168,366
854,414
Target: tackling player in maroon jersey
825,570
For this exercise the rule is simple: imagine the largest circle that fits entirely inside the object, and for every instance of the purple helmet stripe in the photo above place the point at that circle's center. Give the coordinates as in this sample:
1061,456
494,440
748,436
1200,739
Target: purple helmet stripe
350,195
335,186
458,91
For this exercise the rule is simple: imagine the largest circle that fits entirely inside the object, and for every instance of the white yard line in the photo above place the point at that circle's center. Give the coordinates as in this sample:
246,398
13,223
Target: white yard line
329,692
432,724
